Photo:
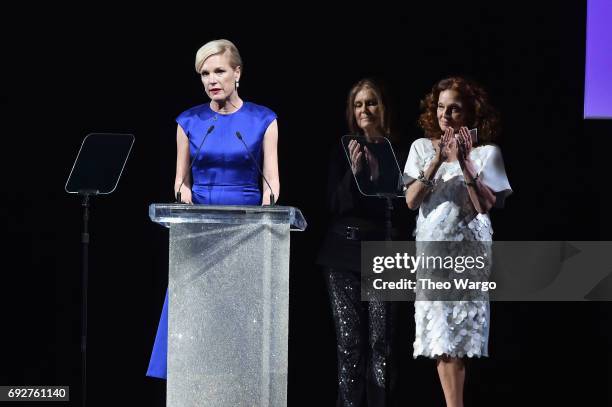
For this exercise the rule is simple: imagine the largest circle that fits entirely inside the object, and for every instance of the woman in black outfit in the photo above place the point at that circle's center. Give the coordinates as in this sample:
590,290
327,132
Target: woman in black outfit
363,329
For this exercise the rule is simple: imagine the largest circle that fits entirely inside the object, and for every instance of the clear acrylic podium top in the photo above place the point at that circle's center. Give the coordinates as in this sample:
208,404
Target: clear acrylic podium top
166,214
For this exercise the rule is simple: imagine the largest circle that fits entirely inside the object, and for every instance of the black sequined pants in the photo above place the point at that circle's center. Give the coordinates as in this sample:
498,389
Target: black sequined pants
363,333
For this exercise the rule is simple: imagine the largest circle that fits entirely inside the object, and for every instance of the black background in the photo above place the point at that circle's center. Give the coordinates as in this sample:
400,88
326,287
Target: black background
71,72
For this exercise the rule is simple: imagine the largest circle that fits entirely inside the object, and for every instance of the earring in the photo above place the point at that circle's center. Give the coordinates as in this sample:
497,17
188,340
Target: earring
237,84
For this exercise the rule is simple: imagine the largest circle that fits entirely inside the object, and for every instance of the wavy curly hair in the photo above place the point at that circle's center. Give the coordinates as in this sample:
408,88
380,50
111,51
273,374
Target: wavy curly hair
479,112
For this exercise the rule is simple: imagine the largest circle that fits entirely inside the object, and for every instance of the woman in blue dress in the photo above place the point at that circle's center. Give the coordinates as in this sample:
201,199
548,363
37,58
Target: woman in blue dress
223,173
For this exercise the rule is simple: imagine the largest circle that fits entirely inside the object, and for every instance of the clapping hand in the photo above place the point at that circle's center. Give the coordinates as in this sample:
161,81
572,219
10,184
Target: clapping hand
443,150
356,156
464,142
372,164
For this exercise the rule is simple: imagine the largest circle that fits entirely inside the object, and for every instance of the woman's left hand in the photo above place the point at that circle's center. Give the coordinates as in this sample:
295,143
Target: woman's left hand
372,164
464,142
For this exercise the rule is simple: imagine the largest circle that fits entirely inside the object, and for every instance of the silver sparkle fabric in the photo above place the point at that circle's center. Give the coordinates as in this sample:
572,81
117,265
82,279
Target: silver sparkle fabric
363,341
228,315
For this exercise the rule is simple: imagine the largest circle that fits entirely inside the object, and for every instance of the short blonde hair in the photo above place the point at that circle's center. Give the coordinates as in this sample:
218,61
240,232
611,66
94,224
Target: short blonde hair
217,47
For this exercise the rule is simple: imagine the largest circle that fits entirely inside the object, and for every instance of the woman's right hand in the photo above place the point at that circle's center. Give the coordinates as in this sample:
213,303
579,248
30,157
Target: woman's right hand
356,156
186,195
442,149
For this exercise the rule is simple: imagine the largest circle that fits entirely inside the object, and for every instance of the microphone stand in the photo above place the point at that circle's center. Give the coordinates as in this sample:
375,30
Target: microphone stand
388,224
272,202
86,195
178,192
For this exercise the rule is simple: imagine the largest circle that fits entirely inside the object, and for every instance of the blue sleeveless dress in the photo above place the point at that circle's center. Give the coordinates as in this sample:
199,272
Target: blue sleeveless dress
222,174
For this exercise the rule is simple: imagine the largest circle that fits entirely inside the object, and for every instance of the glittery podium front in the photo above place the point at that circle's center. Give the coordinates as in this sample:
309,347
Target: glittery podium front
228,303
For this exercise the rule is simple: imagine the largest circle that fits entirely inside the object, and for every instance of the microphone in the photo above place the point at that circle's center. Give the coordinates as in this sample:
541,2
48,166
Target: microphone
178,192
256,166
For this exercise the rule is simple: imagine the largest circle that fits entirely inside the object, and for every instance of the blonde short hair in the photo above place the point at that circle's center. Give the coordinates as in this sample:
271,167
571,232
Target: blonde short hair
217,47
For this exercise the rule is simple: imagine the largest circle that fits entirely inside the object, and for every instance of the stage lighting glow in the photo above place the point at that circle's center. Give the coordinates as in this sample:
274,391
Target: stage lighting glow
598,69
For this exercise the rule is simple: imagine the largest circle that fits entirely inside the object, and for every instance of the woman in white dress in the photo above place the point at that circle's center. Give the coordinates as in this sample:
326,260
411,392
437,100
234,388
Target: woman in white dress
454,183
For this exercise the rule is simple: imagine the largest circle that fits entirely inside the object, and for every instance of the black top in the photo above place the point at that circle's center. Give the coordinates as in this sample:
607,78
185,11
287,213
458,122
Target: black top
348,207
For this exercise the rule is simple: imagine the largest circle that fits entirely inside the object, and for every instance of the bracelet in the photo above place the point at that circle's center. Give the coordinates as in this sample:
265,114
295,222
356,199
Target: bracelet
425,181
473,182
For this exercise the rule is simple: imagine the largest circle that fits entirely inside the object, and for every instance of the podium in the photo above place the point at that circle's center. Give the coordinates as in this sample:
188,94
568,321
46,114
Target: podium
228,293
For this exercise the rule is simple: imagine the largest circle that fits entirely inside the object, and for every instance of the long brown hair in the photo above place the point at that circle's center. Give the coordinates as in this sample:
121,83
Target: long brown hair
381,95
479,112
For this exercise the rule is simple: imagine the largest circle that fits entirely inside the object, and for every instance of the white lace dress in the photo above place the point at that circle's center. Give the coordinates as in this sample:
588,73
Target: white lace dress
454,328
